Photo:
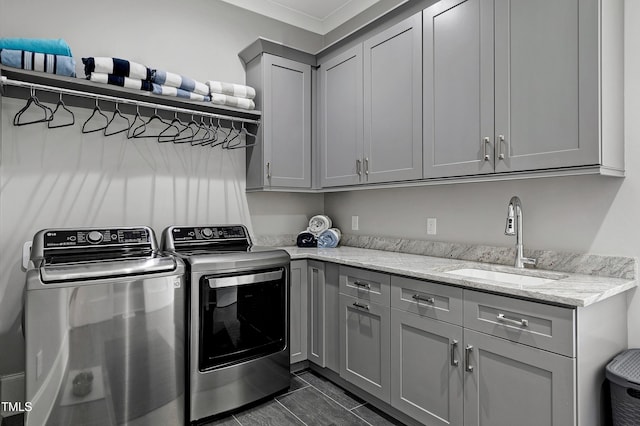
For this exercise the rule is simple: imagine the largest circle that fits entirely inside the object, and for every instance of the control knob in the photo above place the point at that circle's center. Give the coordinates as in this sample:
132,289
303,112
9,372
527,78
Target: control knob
94,237
207,232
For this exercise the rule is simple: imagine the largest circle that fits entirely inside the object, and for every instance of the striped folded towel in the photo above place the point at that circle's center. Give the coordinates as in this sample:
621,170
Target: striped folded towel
166,78
231,89
118,80
117,66
38,45
43,62
232,101
159,89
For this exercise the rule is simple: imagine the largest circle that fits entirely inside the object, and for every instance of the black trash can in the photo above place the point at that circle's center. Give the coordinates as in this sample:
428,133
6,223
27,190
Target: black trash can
623,373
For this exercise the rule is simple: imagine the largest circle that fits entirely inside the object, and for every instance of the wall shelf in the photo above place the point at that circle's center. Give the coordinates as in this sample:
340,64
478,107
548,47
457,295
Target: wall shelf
17,80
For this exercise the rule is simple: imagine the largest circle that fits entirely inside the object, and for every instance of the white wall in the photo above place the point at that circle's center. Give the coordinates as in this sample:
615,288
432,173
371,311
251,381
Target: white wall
58,178
584,213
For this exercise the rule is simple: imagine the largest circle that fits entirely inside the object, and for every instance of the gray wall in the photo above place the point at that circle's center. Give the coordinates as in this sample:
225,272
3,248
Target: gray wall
52,178
591,214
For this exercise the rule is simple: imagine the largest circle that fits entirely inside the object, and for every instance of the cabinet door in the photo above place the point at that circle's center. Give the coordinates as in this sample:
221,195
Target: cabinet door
287,122
458,88
298,311
365,352
340,115
426,371
540,108
393,103
316,323
513,384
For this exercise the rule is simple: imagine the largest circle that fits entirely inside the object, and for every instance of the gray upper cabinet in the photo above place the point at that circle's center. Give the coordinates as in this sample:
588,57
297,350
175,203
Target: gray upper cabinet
340,115
371,107
393,103
458,88
518,85
281,157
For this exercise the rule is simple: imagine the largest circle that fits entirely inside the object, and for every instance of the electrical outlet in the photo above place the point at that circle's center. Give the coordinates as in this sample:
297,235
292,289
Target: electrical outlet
354,223
431,225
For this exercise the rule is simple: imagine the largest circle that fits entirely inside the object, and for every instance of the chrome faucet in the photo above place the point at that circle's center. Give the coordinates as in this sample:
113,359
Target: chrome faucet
514,227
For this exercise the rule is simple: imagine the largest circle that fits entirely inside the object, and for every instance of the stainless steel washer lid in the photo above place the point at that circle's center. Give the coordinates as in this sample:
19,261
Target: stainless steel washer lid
253,258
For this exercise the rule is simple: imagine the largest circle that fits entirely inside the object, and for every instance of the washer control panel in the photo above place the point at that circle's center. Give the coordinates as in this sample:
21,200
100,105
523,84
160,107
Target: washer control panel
208,233
95,237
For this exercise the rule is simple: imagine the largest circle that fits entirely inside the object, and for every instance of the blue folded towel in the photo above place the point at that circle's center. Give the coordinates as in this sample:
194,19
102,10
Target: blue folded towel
32,61
117,66
38,45
118,80
329,238
160,89
181,82
306,239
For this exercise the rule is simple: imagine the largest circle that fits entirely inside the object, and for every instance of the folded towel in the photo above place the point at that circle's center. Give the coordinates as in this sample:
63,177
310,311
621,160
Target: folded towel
159,89
38,45
43,62
318,224
306,239
329,238
181,82
232,101
117,66
118,80
231,89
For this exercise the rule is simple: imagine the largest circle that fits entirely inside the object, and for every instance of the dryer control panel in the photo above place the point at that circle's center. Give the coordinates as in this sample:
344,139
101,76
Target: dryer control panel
209,233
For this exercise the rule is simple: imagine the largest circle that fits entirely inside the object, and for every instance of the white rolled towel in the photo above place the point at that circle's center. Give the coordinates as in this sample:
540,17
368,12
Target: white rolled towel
319,223
231,89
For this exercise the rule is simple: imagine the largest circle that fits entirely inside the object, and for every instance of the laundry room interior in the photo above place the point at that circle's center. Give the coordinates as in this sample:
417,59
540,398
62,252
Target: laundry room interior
582,218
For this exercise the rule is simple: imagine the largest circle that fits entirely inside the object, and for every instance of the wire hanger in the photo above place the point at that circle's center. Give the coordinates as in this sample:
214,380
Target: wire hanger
193,127
62,105
227,142
96,110
215,141
133,124
211,135
199,140
166,135
140,131
33,99
247,134
117,114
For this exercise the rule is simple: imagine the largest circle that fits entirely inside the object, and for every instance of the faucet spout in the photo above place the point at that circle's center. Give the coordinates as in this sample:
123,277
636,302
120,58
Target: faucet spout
514,227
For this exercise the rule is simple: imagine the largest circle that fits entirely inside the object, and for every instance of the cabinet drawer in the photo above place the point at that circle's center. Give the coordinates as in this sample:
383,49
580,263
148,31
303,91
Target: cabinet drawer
530,323
428,299
366,285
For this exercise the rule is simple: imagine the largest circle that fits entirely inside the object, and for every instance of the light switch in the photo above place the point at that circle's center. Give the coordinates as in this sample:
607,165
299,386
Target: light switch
431,226
354,223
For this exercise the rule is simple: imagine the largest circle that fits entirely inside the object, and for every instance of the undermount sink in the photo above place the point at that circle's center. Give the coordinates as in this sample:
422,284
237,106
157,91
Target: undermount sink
504,277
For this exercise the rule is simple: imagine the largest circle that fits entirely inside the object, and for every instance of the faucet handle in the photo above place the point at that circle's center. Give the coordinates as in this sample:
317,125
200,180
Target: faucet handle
529,261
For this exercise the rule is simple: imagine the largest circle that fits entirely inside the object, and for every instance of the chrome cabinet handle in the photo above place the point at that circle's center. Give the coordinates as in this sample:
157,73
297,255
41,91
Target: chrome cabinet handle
454,361
366,166
361,306
519,322
467,358
485,142
419,298
361,284
358,168
500,143
268,170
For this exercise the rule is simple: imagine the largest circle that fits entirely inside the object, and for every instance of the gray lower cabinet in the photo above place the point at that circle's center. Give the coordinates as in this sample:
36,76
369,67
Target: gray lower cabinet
522,85
507,383
316,322
365,352
426,368
370,109
281,157
298,311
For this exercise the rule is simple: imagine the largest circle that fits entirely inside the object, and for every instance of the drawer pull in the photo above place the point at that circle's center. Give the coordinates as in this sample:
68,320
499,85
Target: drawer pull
454,361
467,358
361,306
361,284
419,298
520,323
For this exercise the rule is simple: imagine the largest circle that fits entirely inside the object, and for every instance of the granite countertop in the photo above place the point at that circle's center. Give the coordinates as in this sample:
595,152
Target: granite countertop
569,289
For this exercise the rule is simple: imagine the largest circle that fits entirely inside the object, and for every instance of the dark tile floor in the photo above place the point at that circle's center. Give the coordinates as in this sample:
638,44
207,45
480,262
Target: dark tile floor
312,400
